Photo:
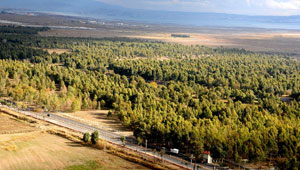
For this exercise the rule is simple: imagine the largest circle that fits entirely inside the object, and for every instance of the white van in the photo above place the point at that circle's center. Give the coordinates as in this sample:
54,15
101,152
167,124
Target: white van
176,151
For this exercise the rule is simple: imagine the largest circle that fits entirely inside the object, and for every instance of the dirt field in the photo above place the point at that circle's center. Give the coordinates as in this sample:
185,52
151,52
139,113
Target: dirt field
8,126
283,42
40,150
58,51
99,118
270,41
200,39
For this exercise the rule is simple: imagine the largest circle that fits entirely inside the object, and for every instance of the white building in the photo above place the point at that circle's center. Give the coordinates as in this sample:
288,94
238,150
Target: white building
207,158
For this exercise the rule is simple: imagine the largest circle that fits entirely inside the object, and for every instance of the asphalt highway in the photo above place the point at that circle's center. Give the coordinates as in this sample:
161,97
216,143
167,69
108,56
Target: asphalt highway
105,135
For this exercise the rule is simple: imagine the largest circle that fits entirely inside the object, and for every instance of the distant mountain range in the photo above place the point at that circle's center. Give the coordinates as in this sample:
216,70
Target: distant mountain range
95,9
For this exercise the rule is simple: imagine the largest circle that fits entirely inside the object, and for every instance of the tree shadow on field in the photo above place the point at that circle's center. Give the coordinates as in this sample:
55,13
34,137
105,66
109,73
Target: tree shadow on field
74,144
108,120
101,115
113,121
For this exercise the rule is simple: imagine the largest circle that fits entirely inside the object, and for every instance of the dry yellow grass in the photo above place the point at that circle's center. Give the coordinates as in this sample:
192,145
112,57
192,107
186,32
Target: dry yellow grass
129,159
7,126
41,150
254,41
194,39
37,150
99,118
35,143
58,51
216,39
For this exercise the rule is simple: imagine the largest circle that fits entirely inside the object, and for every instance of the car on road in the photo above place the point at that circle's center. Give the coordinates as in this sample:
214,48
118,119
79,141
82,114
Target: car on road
175,151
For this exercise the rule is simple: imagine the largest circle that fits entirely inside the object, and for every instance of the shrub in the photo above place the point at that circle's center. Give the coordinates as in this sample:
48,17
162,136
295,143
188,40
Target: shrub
95,137
139,140
86,137
123,139
109,114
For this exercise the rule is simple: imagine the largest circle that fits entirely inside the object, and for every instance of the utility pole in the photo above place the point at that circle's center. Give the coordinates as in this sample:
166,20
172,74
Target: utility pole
104,151
146,144
195,163
163,151
244,162
192,157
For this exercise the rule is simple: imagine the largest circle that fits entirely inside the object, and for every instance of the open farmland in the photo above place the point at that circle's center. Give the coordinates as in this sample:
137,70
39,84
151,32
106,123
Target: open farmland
35,149
8,126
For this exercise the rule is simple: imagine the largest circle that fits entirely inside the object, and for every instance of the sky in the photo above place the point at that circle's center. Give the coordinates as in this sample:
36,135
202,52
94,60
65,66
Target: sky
248,7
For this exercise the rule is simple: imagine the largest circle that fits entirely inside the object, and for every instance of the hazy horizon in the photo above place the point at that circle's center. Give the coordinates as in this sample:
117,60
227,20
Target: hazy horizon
115,11
238,7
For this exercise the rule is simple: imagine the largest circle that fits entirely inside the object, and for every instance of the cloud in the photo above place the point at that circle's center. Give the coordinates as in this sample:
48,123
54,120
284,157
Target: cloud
289,5
248,2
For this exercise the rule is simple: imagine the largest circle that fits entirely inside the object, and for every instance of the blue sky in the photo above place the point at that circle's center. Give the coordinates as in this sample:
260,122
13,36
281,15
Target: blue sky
249,7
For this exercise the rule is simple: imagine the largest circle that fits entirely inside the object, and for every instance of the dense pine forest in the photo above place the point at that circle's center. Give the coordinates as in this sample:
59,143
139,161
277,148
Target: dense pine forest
194,98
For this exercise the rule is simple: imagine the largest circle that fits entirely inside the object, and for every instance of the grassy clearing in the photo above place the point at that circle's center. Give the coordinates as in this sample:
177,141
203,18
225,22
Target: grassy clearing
8,126
57,51
90,165
99,118
41,149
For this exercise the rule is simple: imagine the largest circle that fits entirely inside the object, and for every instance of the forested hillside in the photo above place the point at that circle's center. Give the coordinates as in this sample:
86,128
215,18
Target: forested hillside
193,98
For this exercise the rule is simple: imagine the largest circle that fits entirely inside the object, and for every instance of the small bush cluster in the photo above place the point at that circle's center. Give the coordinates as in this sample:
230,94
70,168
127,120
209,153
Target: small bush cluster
94,137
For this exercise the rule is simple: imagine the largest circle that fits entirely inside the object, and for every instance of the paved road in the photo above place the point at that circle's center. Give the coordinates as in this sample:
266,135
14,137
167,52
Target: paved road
104,134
